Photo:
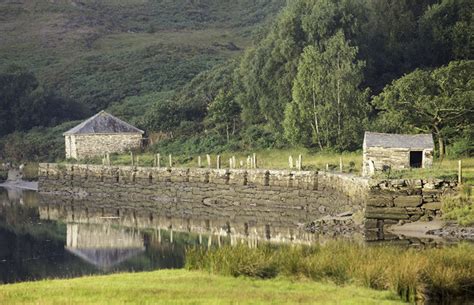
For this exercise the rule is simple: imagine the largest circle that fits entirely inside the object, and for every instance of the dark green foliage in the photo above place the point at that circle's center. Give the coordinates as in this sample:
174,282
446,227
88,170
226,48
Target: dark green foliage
24,103
448,27
38,144
3,175
192,145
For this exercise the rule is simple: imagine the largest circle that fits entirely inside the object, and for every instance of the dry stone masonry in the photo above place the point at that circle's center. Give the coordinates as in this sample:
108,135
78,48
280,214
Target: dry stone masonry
391,201
266,196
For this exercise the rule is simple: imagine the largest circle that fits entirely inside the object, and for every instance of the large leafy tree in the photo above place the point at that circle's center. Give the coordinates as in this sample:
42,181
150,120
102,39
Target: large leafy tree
440,101
326,96
223,114
266,73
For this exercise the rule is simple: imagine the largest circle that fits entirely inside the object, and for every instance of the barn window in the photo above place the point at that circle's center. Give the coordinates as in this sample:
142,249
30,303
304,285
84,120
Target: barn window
416,159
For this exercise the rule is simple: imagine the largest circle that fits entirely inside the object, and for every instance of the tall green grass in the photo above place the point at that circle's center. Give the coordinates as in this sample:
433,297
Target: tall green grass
459,207
414,274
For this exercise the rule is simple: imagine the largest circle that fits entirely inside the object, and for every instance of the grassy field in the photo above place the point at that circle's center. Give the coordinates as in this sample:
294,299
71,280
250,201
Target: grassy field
187,287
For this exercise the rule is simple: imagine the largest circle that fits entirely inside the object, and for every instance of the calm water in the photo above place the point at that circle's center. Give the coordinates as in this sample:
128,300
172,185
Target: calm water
61,237
34,245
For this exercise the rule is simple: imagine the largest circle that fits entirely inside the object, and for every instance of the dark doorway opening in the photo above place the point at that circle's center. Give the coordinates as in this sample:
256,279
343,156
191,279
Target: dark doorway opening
416,158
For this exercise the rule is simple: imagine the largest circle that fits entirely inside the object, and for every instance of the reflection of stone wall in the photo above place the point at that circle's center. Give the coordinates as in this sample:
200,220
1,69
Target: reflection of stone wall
119,213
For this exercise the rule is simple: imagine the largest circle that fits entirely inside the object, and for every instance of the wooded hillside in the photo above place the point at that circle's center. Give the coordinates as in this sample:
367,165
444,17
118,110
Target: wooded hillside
237,75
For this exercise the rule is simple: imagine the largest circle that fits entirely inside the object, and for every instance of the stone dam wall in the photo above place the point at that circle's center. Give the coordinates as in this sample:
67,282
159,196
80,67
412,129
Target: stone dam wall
280,197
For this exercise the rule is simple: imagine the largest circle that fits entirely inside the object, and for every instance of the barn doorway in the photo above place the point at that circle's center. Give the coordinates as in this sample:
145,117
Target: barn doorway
416,159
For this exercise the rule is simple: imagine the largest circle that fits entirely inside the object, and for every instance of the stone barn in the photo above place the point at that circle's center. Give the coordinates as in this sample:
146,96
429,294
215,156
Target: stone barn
100,134
383,151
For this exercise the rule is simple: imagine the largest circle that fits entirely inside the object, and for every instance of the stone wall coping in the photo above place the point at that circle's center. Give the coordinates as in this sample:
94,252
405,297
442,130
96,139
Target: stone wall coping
369,182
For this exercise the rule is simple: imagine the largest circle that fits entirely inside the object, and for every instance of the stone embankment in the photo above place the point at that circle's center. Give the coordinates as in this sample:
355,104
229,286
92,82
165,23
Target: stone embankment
405,200
288,197
256,195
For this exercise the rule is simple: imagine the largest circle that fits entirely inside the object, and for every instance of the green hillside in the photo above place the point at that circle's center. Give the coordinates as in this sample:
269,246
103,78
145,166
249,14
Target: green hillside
237,75
100,52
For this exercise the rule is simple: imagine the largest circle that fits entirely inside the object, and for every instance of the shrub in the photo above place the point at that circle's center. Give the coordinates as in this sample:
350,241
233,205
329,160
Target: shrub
30,172
3,175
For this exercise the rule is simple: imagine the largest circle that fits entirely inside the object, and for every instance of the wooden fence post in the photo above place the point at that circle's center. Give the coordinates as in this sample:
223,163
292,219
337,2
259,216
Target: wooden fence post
300,162
208,161
218,162
290,162
233,162
254,159
199,161
340,164
158,160
108,159
459,172
171,160
249,162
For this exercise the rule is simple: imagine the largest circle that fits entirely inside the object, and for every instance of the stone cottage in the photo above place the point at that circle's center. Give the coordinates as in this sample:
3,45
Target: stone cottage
383,151
100,134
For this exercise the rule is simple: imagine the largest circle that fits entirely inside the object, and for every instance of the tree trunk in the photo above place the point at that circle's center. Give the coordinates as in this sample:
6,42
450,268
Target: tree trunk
227,132
316,124
338,92
441,147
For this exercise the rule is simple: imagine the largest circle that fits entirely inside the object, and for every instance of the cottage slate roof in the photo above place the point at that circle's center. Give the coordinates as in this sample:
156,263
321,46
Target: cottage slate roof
389,140
103,123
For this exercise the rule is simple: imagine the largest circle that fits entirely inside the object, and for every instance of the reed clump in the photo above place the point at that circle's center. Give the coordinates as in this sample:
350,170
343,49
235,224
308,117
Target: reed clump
414,274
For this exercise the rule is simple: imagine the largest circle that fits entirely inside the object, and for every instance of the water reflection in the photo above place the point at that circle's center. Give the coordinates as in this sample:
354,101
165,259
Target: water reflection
43,236
35,245
103,246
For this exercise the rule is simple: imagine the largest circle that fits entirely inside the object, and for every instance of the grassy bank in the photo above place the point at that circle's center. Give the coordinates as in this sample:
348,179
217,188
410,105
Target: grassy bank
438,274
187,287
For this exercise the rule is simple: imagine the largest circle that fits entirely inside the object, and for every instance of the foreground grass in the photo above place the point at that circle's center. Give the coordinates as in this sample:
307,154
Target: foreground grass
428,274
186,287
